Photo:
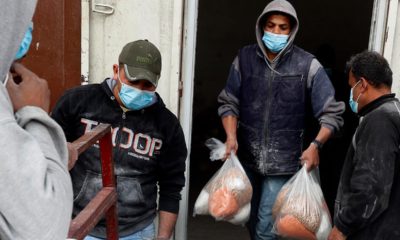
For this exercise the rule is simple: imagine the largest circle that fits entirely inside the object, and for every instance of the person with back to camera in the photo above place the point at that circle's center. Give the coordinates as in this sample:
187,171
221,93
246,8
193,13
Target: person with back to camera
36,197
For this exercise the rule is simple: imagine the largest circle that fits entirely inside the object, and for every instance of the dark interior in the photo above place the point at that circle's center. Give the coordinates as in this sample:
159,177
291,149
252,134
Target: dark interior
331,30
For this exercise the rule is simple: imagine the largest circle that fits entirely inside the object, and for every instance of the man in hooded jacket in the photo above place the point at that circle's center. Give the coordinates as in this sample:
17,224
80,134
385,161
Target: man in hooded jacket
271,87
36,190
149,148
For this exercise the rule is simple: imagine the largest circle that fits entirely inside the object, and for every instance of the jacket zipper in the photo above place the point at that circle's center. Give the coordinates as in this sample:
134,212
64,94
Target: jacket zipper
267,112
119,135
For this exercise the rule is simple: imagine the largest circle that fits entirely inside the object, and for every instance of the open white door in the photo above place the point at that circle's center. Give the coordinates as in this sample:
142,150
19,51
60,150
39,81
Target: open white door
385,35
392,43
378,25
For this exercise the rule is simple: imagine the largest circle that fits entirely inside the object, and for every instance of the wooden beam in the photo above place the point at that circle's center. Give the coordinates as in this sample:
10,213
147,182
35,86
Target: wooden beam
105,201
82,224
91,137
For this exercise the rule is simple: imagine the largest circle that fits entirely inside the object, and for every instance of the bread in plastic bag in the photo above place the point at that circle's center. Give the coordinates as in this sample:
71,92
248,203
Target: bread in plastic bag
300,210
227,195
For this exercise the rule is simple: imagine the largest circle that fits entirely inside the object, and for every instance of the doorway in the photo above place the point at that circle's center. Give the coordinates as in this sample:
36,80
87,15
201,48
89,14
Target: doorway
331,30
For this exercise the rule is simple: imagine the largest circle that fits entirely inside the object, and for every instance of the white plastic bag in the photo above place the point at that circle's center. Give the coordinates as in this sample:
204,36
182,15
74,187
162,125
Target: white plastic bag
227,195
300,210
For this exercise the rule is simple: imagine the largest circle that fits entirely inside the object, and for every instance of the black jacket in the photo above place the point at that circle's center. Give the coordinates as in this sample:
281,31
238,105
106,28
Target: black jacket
149,148
368,200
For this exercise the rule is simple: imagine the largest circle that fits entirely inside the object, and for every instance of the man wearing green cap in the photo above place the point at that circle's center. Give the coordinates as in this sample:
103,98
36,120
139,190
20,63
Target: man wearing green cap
149,148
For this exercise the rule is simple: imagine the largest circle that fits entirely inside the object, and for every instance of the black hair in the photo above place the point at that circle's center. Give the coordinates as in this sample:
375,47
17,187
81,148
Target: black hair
372,66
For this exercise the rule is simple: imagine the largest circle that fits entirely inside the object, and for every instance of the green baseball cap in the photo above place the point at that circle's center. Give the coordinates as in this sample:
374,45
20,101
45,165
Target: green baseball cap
141,60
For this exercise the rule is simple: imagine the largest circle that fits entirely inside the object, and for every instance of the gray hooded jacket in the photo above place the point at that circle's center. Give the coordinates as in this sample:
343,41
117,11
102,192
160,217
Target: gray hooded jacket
271,99
36,198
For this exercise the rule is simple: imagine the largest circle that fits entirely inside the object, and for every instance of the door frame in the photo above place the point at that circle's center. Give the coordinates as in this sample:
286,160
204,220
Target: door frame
190,14
385,35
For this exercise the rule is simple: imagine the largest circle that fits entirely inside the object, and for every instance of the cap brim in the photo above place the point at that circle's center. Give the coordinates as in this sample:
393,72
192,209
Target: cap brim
135,74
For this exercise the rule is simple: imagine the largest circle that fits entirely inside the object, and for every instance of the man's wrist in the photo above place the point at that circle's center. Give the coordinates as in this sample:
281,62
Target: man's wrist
318,144
231,137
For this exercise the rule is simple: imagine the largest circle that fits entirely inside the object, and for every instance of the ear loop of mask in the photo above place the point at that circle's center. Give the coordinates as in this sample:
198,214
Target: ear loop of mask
358,98
6,80
116,80
119,78
359,95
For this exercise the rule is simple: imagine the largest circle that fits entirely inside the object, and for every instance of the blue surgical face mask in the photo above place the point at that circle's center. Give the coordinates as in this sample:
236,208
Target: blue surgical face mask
275,42
136,99
354,104
25,44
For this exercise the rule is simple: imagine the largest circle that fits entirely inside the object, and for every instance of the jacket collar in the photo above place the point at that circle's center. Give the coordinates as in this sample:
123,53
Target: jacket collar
273,64
375,104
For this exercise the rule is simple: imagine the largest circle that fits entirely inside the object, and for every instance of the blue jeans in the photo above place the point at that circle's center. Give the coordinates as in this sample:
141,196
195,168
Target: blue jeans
265,190
148,233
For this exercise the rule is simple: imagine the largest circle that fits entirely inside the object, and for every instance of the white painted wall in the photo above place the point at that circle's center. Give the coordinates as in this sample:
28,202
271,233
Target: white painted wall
159,21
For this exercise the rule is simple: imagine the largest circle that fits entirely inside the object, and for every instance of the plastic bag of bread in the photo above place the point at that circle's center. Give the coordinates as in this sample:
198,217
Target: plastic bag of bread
300,210
227,195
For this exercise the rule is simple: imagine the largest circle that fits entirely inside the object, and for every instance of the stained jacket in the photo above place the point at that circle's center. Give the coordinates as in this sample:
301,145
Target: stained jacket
148,149
368,199
270,100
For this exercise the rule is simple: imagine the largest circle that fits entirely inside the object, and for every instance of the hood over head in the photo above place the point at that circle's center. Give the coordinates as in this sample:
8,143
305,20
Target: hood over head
15,18
282,6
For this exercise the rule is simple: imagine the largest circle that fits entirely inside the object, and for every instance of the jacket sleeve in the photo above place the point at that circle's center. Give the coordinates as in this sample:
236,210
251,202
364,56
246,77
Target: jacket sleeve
372,175
63,113
325,108
36,186
228,99
171,171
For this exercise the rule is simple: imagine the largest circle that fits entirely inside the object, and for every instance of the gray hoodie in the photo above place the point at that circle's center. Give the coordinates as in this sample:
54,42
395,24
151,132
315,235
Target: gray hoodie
36,197
332,110
277,6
